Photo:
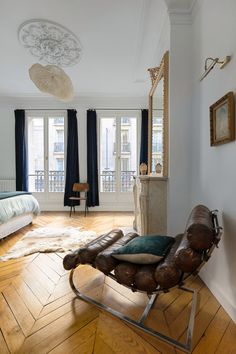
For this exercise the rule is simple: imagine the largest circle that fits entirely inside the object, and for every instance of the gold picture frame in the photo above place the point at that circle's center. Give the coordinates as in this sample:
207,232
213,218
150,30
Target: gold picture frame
222,120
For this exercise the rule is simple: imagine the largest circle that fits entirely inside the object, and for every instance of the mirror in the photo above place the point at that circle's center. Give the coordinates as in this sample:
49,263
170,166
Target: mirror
158,119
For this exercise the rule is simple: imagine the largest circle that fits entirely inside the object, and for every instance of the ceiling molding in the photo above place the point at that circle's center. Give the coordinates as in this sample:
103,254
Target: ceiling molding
52,101
180,11
180,6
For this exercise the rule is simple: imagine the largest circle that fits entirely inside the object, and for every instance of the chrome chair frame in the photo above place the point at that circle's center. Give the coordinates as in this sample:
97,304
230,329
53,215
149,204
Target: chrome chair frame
140,324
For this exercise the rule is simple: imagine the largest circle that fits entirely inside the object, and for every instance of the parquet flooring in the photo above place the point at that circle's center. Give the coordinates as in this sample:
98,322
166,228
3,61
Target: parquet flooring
39,313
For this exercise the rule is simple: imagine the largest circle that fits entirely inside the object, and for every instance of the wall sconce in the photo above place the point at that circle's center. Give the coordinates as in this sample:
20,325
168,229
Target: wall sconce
213,62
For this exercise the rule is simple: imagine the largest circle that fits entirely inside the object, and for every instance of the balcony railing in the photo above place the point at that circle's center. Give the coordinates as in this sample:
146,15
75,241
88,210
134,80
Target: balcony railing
56,181
108,181
59,147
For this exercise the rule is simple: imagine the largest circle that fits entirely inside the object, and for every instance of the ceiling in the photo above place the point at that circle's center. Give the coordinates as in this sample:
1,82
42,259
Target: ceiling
119,40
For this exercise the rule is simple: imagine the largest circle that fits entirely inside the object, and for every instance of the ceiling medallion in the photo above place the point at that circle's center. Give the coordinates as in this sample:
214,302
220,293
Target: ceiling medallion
50,42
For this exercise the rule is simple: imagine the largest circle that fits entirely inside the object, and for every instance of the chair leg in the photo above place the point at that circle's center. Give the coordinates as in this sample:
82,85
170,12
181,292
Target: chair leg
86,210
70,210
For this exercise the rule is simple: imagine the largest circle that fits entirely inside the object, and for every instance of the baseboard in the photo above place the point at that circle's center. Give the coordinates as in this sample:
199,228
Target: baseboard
114,207
225,302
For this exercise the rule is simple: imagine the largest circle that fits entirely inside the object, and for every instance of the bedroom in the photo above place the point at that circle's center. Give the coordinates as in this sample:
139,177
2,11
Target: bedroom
104,78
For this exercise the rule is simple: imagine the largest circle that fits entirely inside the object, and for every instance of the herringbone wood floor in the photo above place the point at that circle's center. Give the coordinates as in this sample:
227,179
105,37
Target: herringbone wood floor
38,312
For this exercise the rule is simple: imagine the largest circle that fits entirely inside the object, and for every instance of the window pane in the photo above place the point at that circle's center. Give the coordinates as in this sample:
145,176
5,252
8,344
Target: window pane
128,152
36,154
56,154
157,139
107,154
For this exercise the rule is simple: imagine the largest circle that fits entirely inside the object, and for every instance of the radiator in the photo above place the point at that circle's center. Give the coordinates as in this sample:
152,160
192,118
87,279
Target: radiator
7,185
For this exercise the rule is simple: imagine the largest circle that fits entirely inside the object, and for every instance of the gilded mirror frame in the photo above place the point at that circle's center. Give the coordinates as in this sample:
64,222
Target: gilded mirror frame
156,75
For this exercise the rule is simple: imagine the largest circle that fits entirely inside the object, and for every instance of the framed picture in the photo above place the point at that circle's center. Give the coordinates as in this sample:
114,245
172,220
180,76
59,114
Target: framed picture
222,120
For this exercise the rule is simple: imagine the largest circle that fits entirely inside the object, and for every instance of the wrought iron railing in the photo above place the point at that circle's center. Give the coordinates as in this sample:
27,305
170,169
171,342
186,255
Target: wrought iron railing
56,181
108,181
127,181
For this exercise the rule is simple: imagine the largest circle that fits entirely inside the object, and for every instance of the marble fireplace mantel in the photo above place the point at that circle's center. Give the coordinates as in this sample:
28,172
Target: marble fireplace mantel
150,199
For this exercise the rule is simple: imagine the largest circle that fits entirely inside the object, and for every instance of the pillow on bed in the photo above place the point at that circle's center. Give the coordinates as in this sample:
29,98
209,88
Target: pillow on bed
144,249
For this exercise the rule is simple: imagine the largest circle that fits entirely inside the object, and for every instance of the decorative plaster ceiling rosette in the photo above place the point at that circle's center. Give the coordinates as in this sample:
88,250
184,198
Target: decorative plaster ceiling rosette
50,42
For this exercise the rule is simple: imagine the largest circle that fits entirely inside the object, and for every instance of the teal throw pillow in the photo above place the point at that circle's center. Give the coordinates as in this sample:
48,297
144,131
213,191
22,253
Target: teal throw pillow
144,249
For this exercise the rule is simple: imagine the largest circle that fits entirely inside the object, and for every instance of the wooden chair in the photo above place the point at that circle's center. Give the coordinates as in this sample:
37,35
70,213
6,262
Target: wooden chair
80,191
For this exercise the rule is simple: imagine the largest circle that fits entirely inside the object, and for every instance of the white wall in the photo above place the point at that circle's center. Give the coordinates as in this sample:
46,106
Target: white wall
214,168
7,144
180,97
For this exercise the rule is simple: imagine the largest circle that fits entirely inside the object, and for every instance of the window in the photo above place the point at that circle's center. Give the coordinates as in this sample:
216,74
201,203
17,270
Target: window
118,152
46,131
157,139
60,164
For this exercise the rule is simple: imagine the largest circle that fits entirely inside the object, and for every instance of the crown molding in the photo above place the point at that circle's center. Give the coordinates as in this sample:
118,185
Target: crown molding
80,102
181,12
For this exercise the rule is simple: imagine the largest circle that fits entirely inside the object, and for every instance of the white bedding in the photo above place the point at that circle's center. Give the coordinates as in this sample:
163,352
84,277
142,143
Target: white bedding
17,212
17,205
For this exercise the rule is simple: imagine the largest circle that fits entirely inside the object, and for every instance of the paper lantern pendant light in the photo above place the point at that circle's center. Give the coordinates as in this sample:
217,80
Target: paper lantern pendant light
52,80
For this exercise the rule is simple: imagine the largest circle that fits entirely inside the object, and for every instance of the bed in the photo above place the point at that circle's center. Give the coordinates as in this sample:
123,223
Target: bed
16,211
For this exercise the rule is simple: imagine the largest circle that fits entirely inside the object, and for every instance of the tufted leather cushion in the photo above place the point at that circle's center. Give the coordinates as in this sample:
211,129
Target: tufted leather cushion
125,273
167,274
199,228
88,253
144,278
104,260
185,258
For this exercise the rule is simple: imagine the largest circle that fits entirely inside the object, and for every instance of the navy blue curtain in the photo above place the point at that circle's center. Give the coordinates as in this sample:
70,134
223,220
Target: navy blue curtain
92,159
144,137
72,158
20,151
